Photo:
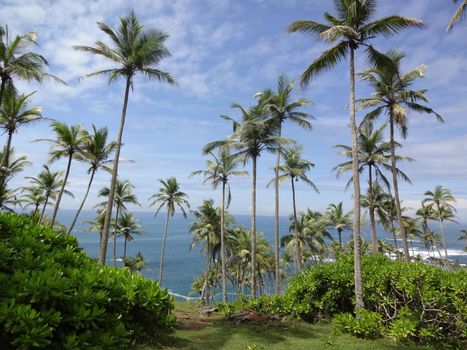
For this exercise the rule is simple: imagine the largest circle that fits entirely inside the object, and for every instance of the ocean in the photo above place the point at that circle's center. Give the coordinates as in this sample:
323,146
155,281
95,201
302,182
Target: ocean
182,265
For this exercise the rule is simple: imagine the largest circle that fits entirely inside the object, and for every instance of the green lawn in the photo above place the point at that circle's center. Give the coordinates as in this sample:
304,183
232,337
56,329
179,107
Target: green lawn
202,332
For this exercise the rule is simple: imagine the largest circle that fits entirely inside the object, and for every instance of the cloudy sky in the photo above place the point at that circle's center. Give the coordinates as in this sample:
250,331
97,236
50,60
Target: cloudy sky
222,52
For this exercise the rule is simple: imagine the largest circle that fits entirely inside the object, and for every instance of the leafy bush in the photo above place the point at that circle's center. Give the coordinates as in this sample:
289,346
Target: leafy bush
366,325
53,295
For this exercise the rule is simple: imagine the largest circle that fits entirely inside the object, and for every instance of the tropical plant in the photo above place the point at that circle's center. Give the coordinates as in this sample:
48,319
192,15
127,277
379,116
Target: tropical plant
14,113
123,196
17,62
351,28
253,135
67,144
51,184
135,264
127,227
374,155
97,224
32,196
282,109
463,237
393,96
134,50
169,197
95,151
219,171
459,14
338,220
295,168
441,200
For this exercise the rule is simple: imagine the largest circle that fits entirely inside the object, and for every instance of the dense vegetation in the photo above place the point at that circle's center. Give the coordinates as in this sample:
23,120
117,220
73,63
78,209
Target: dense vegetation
417,302
53,295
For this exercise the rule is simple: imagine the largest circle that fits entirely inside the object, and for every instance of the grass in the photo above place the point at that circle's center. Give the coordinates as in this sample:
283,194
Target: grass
197,331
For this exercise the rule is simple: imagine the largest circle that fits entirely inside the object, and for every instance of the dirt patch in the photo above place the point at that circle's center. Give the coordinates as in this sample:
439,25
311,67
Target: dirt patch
250,316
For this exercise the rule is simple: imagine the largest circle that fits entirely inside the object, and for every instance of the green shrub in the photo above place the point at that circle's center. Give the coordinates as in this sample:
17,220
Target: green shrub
54,296
366,325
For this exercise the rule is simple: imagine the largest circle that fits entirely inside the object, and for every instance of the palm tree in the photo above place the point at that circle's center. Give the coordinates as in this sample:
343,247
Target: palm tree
135,51
459,14
386,211
374,154
426,214
14,113
67,144
282,109
295,168
392,95
123,196
51,184
337,220
16,62
96,151
440,200
253,135
127,227
33,196
351,29
97,224
463,237
170,197
218,172
135,264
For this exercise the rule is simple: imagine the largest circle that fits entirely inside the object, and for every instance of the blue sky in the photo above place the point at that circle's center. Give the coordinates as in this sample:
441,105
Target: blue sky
223,52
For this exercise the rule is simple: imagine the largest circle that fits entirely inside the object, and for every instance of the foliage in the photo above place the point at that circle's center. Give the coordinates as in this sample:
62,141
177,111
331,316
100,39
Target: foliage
55,296
366,325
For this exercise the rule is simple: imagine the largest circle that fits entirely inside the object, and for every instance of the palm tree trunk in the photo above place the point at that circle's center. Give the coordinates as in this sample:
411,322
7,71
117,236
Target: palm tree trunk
405,244
276,220
43,208
253,232
339,232
206,280
298,250
161,267
60,194
443,235
115,238
124,249
2,89
224,282
371,209
82,203
5,162
113,182
394,234
356,189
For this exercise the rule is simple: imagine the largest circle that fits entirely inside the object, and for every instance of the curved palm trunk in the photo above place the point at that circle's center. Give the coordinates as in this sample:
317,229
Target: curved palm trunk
276,221
356,189
124,249
60,194
82,203
443,235
405,244
115,239
5,162
298,248
43,208
253,232
206,280
371,209
394,234
113,182
224,282
161,267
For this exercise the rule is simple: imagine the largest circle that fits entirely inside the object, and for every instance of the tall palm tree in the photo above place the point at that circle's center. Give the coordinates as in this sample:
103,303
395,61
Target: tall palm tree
169,197
14,113
386,211
351,28
282,109
97,224
67,144
338,220
253,135
463,237
95,151
51,184
373,154
295,168
441,200
17,62
123,196
219,171
425,214
393,96
459,14
127,227
134,50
